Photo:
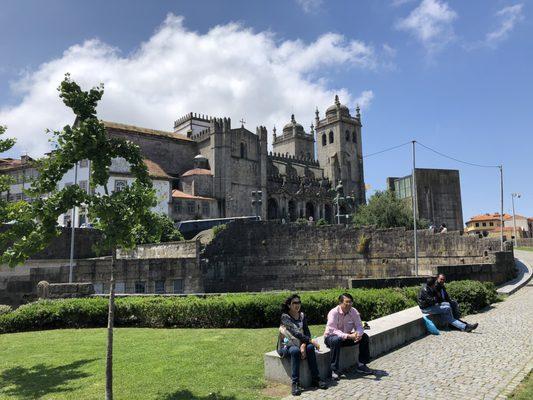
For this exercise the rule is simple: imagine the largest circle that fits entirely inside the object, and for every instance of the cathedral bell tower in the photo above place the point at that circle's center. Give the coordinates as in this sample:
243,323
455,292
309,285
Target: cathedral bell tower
339,148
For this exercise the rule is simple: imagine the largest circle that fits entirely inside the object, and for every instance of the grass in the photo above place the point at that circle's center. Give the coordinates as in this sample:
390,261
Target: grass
167,364
525,390
524,248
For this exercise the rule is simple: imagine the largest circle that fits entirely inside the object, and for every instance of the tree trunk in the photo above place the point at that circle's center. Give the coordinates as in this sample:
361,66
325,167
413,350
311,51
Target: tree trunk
110,321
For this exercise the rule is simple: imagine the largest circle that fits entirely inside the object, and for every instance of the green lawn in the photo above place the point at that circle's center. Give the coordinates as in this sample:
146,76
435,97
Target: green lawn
222,364
525,248
525,390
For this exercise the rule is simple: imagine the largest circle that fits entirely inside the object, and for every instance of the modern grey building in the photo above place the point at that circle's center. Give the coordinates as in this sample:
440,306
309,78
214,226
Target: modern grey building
438,195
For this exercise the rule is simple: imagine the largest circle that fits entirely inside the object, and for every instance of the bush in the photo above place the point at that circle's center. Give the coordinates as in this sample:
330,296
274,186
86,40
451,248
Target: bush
225,311
218,228
321,222
4,309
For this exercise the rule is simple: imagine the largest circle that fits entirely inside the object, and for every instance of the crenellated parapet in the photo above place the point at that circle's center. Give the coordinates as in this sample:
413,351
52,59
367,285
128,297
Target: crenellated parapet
305,160
191,115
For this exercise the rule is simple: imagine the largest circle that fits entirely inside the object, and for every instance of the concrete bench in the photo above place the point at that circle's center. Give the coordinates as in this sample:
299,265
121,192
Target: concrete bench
385,334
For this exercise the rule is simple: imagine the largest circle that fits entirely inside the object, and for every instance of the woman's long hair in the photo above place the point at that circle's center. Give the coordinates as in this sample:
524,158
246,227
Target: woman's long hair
287,303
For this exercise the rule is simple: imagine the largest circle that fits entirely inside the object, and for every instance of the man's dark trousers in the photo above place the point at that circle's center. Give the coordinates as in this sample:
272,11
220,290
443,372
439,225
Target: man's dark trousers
336,342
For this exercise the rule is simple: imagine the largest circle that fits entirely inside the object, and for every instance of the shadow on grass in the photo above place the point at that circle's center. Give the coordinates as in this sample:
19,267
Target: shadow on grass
41,379
188,395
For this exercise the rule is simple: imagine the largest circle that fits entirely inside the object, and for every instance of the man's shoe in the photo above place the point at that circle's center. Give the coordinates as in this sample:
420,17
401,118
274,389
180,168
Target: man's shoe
319,383
296,389
363,369
470,328
335,375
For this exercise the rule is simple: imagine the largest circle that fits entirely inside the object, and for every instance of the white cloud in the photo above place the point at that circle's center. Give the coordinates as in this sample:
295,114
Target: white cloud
431,23
509,17
310,6
228,71
365,98
398,3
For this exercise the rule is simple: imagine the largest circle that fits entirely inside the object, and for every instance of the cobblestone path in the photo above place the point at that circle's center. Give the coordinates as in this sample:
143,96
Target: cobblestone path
486,364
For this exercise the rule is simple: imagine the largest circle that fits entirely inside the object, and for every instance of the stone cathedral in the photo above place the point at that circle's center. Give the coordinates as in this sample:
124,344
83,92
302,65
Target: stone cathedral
215,170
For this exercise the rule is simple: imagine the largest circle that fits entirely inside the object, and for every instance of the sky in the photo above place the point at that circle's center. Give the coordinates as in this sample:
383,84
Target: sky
453,75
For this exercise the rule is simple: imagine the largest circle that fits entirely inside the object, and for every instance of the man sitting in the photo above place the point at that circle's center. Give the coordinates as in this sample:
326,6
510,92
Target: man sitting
429,303
344,328
445,298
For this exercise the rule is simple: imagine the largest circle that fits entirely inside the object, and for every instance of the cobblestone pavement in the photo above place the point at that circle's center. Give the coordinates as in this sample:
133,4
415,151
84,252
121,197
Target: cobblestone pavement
486,364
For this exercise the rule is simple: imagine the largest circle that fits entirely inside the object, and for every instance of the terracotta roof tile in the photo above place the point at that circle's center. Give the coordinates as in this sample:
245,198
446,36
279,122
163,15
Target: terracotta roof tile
197,171
155,170
488,217
146,131
182,195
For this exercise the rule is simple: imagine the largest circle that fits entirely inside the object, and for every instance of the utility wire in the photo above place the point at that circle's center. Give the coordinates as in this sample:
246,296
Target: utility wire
389,149
455,159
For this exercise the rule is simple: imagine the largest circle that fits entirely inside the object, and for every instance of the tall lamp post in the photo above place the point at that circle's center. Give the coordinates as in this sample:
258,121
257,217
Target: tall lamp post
513,195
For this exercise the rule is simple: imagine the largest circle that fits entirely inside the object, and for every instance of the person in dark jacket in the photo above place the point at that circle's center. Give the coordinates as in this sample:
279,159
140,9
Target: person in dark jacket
445,298
429,303
295,342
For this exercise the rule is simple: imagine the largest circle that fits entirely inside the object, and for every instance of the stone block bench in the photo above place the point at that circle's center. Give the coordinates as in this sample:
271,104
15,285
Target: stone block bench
385,334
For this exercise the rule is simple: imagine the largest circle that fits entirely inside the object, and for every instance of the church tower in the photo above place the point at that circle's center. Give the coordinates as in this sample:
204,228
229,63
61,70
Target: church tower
339,149
294,141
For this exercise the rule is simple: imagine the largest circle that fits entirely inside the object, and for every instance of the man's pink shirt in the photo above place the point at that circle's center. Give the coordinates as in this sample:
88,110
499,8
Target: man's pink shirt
341,324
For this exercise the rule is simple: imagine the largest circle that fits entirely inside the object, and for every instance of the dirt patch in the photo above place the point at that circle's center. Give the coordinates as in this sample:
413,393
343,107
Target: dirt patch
276,390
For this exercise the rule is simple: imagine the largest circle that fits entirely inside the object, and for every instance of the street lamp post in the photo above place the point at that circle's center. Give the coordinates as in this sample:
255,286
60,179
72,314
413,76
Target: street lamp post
72,231
513,195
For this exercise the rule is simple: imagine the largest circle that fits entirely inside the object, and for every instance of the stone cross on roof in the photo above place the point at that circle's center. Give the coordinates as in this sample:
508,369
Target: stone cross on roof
242,121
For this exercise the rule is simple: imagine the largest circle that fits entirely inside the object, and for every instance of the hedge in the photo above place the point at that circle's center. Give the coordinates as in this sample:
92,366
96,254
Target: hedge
225,311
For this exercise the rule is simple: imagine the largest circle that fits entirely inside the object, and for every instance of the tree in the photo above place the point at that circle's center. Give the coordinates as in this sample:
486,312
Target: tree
5,145
117,213
159,228
385,210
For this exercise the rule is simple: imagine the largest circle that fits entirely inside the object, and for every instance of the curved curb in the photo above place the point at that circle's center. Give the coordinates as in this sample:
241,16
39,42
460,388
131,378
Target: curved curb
525,274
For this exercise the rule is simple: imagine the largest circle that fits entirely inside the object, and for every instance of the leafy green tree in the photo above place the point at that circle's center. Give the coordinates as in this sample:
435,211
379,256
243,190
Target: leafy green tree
385,210
5,145
117,213
159,228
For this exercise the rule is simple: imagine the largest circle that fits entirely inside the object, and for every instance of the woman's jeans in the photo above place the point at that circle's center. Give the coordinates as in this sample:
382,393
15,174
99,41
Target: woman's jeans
294,353
445,311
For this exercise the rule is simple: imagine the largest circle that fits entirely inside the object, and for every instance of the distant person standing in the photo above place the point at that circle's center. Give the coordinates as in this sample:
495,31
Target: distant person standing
443,228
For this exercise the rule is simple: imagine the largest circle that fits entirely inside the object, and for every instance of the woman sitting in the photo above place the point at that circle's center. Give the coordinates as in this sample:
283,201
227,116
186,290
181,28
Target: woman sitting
295,342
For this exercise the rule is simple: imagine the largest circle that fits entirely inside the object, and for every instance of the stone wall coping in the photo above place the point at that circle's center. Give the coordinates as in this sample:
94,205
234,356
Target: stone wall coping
525,273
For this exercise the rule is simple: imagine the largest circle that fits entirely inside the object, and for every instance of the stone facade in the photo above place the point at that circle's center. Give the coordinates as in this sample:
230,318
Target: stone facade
438,196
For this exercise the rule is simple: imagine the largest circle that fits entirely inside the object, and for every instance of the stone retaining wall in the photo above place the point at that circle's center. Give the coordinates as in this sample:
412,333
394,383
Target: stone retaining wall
271,256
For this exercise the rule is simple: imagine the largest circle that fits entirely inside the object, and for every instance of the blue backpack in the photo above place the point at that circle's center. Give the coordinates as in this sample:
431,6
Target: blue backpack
430,326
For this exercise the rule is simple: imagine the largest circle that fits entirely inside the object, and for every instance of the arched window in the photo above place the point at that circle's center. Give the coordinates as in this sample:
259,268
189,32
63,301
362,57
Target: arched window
324,139
347,136
331,136
243,150
354,137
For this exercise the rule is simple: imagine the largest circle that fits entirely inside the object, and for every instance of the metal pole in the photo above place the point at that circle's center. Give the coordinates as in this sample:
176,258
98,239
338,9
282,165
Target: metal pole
73,227
514,219
413,196
501,207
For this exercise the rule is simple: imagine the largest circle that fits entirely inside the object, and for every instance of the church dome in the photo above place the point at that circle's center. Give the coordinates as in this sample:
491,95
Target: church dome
332,110
293,124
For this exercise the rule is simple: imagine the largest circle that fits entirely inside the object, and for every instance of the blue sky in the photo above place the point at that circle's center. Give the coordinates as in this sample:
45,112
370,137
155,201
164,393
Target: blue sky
454,75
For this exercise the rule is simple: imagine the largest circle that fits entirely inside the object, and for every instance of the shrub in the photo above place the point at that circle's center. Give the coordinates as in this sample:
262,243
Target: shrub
225,311
4,309
362,246
302,221
218,228
321,222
